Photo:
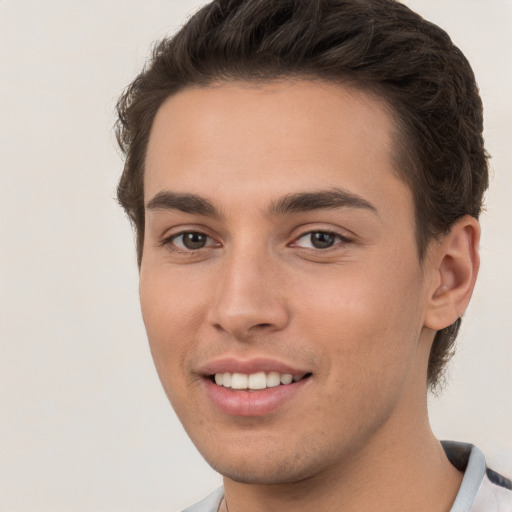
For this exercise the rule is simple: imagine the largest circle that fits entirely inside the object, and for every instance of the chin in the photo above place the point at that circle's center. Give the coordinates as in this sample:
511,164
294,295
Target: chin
271,466
266,474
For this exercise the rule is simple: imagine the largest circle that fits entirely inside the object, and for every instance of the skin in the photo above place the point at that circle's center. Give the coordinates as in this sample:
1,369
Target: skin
360,315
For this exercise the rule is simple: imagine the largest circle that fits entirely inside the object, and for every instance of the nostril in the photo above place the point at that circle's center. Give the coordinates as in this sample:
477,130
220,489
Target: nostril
261,326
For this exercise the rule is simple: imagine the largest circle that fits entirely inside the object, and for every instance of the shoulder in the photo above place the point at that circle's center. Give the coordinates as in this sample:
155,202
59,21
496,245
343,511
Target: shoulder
209,504
495,493
482,488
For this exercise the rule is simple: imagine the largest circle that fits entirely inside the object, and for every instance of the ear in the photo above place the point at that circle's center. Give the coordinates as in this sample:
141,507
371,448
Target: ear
454,262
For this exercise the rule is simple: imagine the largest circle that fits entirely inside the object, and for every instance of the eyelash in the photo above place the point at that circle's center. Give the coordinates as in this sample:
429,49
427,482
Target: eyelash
169,241
342,240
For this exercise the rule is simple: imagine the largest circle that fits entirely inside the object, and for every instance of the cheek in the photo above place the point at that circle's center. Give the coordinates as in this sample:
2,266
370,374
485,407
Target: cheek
370,319
367,332
170,313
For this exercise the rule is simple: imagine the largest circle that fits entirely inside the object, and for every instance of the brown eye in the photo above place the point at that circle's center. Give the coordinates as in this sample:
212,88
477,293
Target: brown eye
318,240
321,240
191,240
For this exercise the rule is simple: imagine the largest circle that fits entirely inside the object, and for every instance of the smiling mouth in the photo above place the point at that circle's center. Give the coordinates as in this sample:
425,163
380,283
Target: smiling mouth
256,381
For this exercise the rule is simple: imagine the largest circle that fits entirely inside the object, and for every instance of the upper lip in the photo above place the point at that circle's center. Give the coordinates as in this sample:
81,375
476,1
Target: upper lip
248,366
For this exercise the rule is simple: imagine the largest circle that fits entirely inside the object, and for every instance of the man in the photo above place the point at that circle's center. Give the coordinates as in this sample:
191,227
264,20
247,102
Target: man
305,179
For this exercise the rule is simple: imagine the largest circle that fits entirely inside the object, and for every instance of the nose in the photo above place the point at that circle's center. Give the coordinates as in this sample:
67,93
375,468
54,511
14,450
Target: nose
249,298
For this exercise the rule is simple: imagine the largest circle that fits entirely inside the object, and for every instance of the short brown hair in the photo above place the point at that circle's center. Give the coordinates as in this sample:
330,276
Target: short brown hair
380,46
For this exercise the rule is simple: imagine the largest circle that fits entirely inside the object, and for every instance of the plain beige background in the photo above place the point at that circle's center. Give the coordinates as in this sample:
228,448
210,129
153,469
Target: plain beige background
84,423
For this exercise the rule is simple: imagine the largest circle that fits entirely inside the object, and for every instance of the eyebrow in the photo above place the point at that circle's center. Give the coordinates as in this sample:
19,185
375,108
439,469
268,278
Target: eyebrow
186,203
320,200
291,203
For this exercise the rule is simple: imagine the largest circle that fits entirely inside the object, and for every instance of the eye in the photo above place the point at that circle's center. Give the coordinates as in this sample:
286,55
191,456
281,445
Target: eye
191,241
318,240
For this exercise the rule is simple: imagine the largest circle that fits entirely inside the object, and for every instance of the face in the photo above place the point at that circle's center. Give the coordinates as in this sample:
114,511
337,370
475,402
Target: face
280,283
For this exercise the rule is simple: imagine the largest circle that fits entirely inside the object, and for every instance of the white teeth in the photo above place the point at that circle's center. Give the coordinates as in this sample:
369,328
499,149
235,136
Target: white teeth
226,380
258,380
273,379
239,381
286,378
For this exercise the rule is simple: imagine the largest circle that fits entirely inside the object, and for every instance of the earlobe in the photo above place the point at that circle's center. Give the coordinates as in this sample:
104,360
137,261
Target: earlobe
455,262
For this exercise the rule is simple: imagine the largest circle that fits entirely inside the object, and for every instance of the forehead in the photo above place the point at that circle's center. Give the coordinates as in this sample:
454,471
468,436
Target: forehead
272,138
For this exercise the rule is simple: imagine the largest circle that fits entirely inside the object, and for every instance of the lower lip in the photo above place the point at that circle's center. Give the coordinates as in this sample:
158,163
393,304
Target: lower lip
252,403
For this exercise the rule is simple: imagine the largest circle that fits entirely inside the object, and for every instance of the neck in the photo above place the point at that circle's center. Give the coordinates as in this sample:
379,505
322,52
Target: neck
402,468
